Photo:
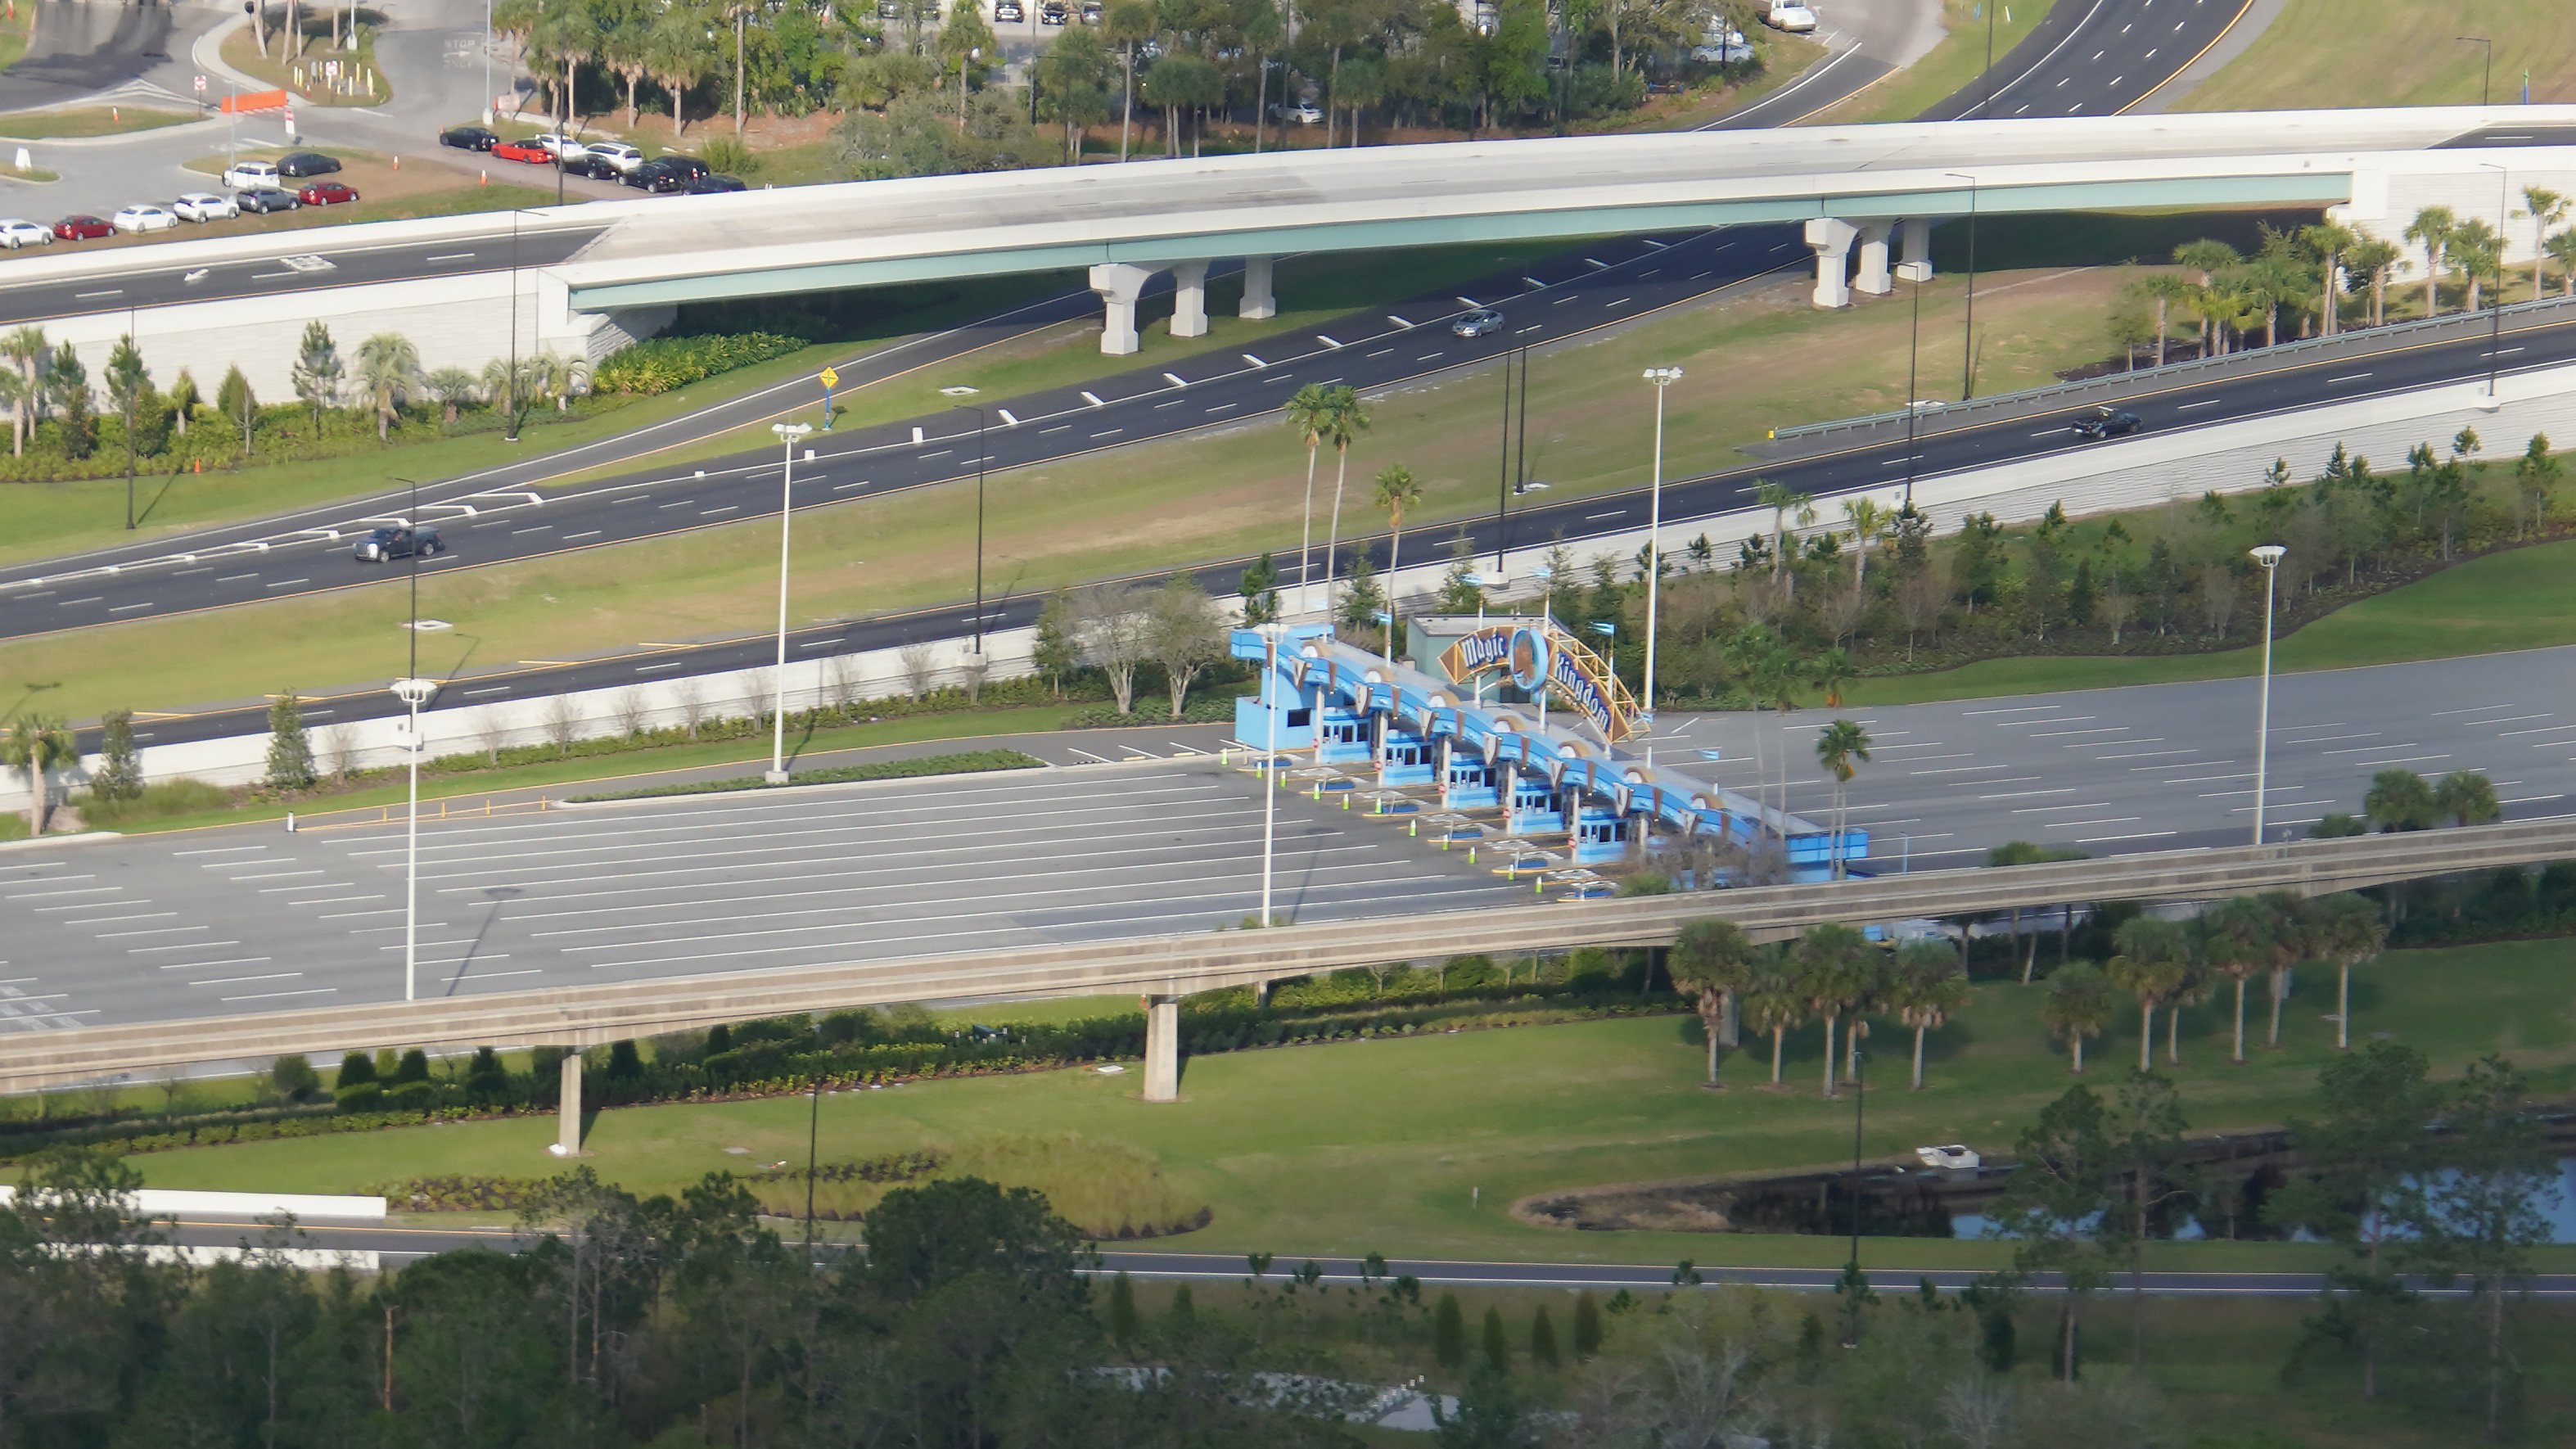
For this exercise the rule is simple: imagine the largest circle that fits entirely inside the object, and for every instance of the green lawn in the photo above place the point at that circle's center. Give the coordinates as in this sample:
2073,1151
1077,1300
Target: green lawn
89,121
2524,598
1959,58
2329,53
1755,360
1420,1145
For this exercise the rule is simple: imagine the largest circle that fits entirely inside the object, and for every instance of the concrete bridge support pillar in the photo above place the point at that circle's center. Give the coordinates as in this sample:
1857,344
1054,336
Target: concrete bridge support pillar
1119,285
1832,238
1189,299
568,1130
1257,301
1916,233
1163,1049
1873,278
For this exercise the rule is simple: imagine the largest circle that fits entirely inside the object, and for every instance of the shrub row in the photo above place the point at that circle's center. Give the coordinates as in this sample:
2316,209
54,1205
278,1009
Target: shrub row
660,364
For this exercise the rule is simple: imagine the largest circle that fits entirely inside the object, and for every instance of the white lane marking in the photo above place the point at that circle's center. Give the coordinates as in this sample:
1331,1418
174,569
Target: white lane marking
286,583
2348,377
1175,379
110,292
1094,400
2203,403
1398,321
450,257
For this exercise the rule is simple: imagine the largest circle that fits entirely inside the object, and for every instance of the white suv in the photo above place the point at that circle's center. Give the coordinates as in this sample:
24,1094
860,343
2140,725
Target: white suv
250,175
560,147
205,206
617,154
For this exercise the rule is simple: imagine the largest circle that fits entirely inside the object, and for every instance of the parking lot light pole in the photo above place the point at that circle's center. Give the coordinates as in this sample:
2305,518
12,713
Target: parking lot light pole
1662,378
1968,343
2269,556
789,434
413,692
1270,762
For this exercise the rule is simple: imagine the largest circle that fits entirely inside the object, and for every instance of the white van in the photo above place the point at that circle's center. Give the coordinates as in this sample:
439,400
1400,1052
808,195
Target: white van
250,175
1791,16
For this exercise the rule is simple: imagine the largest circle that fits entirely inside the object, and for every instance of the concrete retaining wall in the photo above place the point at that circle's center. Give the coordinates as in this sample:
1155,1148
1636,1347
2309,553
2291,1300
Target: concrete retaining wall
168,1202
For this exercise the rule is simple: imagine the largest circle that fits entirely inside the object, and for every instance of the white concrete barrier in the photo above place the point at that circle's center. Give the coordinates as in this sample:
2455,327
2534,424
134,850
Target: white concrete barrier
173,1202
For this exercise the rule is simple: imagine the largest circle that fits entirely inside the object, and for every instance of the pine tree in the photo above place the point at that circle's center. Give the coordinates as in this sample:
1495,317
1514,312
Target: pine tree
355,1068
1260,589
120,772
234,399
1542,1339
1185,1311
318,371
290,752
1122,1310
1056,653
414,1067
1498,1346
1449,1332
1587,1326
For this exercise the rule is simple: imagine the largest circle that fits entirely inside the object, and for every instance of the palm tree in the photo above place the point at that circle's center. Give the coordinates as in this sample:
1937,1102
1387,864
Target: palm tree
2373,257
675,55
1309,410
1831,672
1125,24
36,744
388,364
2477,250
2562,250
454,387
2078,1006
2329,240
2154,965
1774,1005
1868,520
1774,681
1397,490
2468,797
2349,931
1712,963
2398,799
1782,500
2167,290
2236,939
24,346
1832,968
2545,208
2292,942
2207,257
2431,229
1343,424
1924,989
1838,746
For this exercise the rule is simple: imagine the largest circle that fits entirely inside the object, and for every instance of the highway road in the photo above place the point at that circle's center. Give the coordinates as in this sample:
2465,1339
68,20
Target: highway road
401,1242
2093,58
251,919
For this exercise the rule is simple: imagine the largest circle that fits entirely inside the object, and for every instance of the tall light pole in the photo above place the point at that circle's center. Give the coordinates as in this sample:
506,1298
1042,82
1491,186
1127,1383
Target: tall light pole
1913,358
1968,344
2269,556
1483,582
490,99
413,692
2486,78
788,436
1270,764
1662,378
2495,312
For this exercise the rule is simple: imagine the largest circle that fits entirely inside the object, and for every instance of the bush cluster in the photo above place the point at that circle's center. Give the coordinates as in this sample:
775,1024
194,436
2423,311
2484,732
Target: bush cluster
659,364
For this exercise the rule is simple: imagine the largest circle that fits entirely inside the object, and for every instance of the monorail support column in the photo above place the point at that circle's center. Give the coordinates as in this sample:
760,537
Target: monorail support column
1831,237
1119,285
1258,302
1163,1049
1873,278
1189,299
568,1129
1916,233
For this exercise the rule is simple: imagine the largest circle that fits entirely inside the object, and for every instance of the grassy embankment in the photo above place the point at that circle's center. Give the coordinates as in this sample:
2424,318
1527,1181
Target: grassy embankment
83,121
2334,53
1955,61
1420,1145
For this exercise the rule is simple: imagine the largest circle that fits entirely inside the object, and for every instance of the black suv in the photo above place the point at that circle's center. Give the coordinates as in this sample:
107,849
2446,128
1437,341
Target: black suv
468,138
712,185
306,163
380,545
2106,423
667,174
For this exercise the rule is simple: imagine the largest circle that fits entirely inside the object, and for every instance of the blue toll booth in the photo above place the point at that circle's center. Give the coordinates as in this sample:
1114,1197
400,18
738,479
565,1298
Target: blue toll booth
1601,836
1344,739
1534,808
1471,784
1407,761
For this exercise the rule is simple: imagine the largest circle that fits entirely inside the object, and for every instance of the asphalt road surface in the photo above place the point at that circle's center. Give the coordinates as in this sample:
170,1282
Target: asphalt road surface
2093,58
403,1242
254,919
2160,767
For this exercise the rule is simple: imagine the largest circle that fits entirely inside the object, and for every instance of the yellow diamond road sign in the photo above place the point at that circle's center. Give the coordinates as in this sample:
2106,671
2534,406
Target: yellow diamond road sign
831,378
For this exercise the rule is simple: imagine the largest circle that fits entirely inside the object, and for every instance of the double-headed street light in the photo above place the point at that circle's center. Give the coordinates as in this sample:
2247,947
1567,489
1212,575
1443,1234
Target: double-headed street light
413,692
2269,556
788,436
1662,378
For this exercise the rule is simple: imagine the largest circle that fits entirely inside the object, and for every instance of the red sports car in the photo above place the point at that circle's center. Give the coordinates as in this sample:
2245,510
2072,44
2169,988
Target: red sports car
83,228
327,193
527,151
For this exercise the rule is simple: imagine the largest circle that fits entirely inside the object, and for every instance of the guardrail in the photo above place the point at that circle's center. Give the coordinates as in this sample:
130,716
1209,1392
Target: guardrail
449,808
1939,418
1171,965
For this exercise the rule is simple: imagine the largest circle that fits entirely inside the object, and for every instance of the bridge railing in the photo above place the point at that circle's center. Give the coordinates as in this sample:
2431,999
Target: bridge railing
1176,964
2110,387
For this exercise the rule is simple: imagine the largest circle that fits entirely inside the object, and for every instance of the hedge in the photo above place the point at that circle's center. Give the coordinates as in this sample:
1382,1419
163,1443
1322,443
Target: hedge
660,364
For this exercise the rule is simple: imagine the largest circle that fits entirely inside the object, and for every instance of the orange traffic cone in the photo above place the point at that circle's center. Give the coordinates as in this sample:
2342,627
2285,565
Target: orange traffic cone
116,114
486,179
397,163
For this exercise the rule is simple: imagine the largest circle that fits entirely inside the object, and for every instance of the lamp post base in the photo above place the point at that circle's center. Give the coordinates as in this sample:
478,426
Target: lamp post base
773,777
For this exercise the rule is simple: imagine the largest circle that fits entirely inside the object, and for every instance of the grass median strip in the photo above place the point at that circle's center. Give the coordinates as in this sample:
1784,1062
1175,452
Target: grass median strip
964,763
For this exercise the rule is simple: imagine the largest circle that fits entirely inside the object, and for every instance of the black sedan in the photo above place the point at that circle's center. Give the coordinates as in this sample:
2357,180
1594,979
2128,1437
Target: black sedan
712,184
468,138
667,174
2107,422
380,545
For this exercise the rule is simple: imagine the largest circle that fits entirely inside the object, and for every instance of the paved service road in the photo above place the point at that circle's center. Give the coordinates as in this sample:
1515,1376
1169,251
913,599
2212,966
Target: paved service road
253,919
2159,767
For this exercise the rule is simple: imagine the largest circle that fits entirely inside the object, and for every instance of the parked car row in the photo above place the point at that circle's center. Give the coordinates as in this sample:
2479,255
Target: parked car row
197,206
598,160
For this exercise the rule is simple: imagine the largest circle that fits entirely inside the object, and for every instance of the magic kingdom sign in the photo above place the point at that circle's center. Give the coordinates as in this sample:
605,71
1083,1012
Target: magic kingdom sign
1553,659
